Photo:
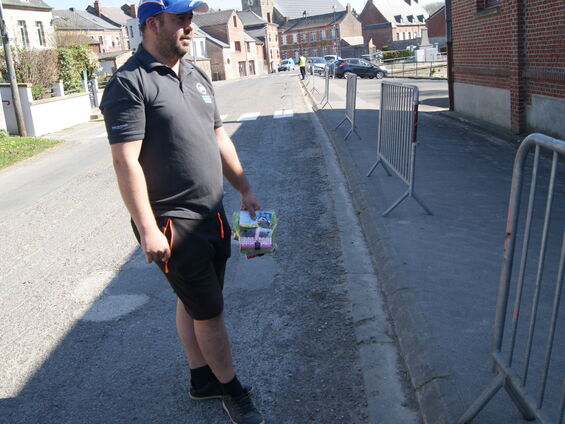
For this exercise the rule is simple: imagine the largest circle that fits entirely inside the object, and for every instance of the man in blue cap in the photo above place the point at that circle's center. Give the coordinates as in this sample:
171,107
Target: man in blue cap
169,151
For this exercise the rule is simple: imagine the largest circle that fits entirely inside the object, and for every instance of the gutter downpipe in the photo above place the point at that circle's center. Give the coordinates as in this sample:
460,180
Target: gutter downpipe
448,27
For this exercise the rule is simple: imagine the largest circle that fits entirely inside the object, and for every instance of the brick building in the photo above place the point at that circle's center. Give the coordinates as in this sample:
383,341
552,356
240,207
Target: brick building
279,10
388,21
509,63
318,35
266,32
245,55
436,27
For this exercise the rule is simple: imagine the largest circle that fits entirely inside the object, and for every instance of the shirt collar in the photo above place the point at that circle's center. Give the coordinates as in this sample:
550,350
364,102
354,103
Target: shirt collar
146,59
150,62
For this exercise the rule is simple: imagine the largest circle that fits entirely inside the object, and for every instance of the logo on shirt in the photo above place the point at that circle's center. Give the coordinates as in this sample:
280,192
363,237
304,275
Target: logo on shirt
201,88
119,127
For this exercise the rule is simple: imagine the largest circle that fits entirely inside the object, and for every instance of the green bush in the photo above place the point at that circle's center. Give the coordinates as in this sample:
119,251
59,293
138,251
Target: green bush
72,61
396,54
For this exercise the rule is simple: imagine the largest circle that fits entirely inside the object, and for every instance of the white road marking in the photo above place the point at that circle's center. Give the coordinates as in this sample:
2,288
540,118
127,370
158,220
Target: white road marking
92,304
251,116
284,113
111,307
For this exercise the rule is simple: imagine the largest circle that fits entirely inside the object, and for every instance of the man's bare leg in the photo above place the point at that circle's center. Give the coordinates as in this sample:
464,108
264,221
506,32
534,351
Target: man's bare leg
185,331
214,344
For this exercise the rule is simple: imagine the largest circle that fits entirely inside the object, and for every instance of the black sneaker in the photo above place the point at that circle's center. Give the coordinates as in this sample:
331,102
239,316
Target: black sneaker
212,390
241,410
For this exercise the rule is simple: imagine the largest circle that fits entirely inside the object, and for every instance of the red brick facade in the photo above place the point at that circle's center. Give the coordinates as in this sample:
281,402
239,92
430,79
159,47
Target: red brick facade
511,45
436,24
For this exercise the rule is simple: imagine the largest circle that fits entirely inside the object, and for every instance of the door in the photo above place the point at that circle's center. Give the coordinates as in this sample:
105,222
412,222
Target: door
242,69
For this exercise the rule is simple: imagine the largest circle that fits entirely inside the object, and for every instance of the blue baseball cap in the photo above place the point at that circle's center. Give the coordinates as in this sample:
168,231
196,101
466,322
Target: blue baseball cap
148,8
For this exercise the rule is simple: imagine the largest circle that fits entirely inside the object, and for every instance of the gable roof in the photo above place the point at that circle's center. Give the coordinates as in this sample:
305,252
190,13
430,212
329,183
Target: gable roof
66,19
312,21
27,4
250,18
114,15
398,12
295,8
212,18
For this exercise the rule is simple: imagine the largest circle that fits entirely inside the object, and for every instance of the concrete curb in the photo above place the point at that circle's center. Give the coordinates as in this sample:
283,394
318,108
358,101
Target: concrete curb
437,395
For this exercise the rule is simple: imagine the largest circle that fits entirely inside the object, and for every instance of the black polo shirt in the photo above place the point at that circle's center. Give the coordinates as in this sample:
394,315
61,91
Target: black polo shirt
175,117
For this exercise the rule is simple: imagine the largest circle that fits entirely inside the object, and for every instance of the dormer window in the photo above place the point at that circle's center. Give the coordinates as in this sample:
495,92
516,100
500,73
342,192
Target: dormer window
421,18
410,18
398,19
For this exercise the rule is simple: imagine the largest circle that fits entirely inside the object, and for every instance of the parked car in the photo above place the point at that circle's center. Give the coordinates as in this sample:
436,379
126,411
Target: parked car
286,65
329,58
316,64
360,67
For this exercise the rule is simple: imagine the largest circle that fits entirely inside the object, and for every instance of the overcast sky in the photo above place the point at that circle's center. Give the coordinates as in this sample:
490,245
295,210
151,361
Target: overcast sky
222,4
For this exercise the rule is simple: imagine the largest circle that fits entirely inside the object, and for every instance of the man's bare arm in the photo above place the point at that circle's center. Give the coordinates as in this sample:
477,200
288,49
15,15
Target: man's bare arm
133,189
233,171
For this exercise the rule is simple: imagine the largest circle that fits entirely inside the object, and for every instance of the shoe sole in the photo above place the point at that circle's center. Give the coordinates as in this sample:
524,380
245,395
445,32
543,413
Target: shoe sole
250,390
231,419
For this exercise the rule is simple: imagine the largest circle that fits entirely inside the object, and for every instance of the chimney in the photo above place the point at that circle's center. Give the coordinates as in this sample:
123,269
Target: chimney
97,7
72,9
349,8
408,2
133,10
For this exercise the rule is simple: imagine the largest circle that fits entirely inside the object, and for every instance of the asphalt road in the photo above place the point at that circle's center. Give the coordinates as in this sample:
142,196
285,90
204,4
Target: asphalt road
88,328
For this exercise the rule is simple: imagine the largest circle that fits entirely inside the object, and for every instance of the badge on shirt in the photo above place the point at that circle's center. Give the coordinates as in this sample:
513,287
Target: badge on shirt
205,96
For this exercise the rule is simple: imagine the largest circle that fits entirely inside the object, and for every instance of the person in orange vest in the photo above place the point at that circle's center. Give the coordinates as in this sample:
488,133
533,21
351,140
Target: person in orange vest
302,64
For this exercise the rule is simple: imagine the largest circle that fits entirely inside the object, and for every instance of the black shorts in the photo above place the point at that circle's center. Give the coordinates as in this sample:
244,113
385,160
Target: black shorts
195,271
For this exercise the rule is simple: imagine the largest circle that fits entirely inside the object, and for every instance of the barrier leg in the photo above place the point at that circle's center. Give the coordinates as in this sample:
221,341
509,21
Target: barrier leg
338,125
421,204
482,400
395,204
523,407
350,131
377,164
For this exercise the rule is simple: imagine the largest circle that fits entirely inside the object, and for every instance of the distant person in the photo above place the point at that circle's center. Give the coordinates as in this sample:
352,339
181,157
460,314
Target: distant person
302,64
169,150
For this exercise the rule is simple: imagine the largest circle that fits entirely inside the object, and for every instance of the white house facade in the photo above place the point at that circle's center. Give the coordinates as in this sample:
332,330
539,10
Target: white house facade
29,23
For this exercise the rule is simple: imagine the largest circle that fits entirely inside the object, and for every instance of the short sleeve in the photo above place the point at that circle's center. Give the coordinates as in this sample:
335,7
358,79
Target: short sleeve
124,111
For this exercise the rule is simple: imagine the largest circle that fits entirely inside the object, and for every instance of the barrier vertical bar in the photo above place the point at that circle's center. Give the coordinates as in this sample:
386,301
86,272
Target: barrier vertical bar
327,89
524,257
541,262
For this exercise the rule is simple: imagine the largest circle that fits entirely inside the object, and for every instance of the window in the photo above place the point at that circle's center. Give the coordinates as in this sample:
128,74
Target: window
22,29
234,21
40,33
203,49
334,33
491,3
295,38
312,36
322,35
101,40
237,46
269,17
397,36
248,47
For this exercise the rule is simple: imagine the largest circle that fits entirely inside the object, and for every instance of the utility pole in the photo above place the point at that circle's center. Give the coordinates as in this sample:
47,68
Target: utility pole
12,75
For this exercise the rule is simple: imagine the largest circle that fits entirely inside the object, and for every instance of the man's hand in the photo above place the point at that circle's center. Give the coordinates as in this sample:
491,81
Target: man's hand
249,203
155,246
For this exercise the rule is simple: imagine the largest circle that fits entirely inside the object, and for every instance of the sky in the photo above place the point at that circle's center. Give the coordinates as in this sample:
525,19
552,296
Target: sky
221,4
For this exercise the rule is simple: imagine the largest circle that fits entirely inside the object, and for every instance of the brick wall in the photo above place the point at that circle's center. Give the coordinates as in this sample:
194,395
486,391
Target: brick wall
516,46
436,24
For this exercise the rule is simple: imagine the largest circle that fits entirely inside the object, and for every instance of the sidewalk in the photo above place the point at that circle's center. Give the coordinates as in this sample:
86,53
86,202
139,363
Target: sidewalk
439,273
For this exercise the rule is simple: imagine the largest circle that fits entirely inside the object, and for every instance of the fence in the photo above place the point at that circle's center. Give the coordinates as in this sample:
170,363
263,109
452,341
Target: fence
542,326
411,68
350,104
396,139
326,99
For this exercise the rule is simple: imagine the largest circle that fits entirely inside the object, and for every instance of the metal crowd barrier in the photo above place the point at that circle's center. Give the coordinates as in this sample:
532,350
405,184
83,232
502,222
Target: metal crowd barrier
513,377
350,102
326,98
313,77
396,139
